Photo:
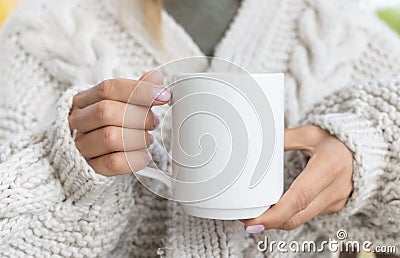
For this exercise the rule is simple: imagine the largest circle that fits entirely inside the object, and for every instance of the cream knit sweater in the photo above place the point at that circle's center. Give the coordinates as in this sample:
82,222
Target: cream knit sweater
341,66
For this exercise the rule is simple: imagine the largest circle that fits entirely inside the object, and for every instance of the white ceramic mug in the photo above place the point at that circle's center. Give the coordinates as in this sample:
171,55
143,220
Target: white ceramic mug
227,144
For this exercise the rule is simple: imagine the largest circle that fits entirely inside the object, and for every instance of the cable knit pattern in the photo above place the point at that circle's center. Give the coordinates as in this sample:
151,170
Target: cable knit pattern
338,63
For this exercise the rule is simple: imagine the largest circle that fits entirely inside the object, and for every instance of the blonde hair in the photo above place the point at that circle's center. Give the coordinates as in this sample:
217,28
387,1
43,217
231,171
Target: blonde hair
148,10
152,12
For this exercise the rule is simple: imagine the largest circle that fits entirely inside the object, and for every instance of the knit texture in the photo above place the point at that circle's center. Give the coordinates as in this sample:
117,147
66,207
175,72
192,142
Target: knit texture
340,67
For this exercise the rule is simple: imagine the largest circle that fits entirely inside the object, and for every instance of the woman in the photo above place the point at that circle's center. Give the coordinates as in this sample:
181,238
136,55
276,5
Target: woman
74,195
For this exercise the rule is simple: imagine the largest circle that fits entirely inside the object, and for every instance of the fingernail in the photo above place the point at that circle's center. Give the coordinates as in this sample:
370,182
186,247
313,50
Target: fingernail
156,122
161,94
255,229
151,138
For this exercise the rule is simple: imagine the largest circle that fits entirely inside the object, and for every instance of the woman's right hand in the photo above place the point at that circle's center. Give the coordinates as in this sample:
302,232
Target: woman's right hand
98,116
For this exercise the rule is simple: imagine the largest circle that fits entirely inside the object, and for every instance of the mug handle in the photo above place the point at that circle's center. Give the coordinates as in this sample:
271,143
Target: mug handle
157,175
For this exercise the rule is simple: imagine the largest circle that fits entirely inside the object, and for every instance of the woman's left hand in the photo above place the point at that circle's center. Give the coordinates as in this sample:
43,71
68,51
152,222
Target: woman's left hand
322,187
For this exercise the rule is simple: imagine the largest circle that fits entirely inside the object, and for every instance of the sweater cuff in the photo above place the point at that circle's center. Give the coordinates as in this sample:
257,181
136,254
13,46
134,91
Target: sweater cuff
368,147
80,182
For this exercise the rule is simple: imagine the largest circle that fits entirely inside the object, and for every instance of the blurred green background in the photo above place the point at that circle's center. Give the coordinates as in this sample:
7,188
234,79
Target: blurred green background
391,16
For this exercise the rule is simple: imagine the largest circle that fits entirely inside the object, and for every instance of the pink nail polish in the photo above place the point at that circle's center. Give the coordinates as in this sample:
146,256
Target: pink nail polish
161,94
156,122
151,138
255,229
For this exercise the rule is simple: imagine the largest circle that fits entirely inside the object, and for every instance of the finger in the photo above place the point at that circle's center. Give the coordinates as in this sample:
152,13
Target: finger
301,193
112,113
123,90
293,139
111,139
303,138
117,163
153,76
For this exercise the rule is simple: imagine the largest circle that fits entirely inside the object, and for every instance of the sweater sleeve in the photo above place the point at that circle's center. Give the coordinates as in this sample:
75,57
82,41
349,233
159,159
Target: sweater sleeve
52,203
80,182
34,110
366,117
48,192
